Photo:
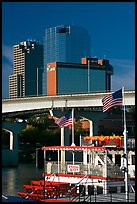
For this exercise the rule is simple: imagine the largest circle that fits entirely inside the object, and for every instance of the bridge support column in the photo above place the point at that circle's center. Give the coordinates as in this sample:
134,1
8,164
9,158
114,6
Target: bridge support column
10,156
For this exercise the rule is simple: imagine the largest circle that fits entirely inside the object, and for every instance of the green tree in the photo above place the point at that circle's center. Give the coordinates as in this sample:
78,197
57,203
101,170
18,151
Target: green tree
30,135
78,131
41,121
50,137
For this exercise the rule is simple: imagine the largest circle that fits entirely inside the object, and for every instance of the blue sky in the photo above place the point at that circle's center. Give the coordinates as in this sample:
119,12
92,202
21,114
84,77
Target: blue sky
111,26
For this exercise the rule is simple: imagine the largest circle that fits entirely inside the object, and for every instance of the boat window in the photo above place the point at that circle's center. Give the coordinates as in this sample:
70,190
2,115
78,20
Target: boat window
122,189
99,163
110,156
113,189
90,190
99,190
133,159
118,159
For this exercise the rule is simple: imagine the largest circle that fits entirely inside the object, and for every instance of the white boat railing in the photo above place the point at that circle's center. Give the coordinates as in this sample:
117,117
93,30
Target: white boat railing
88,169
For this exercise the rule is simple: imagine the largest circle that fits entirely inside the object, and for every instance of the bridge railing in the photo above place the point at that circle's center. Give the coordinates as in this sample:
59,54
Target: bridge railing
64,94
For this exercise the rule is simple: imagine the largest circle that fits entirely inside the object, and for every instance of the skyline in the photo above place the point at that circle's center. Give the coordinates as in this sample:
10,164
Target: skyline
116,42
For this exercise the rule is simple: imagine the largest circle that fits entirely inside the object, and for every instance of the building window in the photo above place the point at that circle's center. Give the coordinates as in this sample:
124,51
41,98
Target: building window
63,30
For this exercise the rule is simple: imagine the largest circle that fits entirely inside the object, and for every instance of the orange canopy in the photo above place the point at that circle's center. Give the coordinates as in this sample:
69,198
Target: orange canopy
102,138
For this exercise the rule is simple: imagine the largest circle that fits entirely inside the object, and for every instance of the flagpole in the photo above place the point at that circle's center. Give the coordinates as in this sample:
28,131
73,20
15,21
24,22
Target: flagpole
125,148
73,144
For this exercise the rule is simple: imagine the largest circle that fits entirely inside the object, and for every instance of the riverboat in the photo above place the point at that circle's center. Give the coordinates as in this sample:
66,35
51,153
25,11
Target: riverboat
96,167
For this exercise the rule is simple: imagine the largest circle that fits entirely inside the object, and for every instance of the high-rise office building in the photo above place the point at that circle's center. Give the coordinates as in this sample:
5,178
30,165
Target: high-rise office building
28,69
89,76
66,44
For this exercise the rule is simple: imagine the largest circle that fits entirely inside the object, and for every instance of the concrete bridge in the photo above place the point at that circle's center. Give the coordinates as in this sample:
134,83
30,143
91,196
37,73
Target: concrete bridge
53,102
60,101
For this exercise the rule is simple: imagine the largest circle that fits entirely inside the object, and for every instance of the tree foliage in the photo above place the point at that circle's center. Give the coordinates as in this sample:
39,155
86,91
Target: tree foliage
78,131
30,135
38,131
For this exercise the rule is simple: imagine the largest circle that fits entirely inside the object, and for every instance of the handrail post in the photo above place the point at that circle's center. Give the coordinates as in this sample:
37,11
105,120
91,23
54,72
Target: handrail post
44,172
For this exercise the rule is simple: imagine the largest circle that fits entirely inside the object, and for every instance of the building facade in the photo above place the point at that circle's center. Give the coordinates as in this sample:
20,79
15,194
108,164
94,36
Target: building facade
91,75
65,44
28,68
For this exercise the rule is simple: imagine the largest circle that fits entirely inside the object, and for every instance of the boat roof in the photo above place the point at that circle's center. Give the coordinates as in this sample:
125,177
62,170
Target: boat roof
72,148
78,148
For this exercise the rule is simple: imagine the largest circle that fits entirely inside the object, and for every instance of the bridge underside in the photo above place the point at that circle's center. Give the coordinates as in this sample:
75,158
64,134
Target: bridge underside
28,113
93,100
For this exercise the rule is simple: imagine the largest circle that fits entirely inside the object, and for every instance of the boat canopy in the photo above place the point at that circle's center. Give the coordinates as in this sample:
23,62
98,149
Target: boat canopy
72,148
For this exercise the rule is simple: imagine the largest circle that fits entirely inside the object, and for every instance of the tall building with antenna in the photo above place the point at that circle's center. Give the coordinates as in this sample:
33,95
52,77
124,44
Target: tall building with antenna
66,43
28,68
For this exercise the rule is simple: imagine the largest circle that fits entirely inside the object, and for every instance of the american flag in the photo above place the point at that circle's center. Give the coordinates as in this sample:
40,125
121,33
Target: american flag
114,99
65,120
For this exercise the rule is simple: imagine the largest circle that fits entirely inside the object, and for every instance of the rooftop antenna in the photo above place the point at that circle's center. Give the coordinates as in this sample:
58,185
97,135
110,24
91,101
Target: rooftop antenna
104,56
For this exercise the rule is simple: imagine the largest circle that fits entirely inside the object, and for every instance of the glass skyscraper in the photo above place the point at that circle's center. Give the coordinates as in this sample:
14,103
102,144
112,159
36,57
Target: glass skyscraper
65,44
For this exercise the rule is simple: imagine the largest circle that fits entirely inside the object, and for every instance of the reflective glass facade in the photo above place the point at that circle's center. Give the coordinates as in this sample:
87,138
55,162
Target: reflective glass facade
66,44
74,80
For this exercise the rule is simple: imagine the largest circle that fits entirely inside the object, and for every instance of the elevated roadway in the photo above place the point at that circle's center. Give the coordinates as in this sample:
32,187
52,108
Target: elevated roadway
60,101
